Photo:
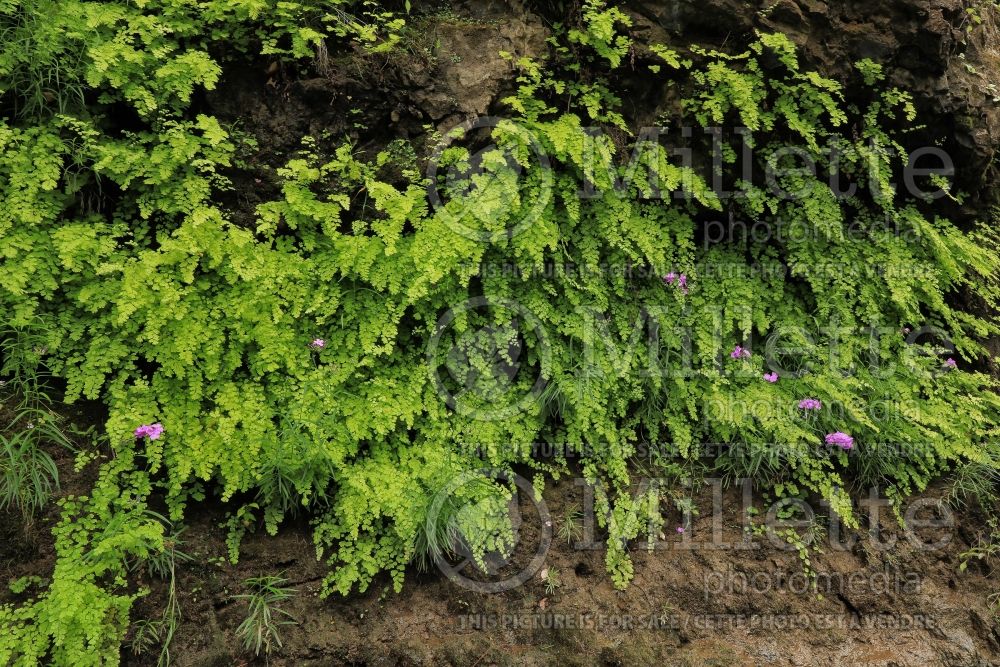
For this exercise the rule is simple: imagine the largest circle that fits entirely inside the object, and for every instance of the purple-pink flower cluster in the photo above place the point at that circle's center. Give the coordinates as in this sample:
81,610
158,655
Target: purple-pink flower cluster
151,431
810,404
840,439
740,353
950,364
317,344
681,281
771,377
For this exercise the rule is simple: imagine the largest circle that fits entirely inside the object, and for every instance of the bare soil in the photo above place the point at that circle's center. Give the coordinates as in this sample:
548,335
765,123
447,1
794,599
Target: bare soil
747,603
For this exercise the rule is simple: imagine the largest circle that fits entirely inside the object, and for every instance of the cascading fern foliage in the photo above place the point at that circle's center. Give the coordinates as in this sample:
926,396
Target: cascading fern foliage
153,301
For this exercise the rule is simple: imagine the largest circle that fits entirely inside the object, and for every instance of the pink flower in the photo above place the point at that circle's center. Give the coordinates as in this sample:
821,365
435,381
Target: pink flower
681,280
740,353
680,529
810,404
771,377
839,439
317,344
950,364
151,431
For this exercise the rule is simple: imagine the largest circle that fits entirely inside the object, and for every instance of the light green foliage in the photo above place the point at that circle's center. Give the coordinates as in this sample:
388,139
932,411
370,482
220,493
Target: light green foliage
803,103
600,31
152,54
153,302
82,617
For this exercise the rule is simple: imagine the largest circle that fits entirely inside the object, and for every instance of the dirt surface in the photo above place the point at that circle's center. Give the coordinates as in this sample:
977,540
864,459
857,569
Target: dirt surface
882,596
690,603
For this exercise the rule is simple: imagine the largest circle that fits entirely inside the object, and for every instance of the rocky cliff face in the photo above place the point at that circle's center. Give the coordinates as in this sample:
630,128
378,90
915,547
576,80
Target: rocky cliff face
933,48
946,52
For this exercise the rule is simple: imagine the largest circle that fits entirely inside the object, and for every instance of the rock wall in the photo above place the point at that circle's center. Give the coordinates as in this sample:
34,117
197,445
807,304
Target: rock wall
449,69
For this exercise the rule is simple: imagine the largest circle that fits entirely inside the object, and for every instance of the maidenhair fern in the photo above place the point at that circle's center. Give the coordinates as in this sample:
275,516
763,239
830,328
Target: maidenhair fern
562,329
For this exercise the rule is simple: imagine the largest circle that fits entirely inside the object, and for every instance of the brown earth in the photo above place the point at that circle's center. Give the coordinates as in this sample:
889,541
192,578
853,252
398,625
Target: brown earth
690,604
739,598
687,606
